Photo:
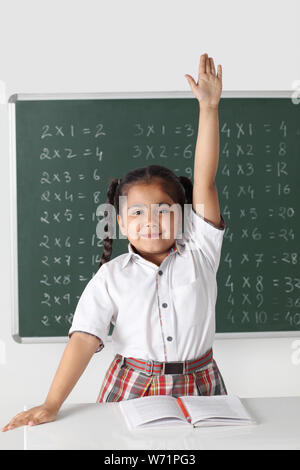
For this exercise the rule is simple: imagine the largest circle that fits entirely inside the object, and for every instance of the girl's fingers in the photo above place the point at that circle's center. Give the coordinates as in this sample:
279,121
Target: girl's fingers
219,71
12,425
212,66
191,81
202,64
16,422
207,64
36,415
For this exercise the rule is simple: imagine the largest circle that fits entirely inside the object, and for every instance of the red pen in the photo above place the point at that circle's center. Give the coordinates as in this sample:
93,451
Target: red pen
184,410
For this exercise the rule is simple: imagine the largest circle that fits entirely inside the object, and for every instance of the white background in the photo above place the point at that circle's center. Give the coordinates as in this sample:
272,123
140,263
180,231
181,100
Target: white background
115,46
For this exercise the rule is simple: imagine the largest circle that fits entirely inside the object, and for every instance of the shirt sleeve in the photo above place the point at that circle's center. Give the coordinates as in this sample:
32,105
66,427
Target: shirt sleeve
94,310
202,234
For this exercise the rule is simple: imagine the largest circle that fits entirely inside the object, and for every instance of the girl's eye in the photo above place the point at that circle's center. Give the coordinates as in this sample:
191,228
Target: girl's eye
137,212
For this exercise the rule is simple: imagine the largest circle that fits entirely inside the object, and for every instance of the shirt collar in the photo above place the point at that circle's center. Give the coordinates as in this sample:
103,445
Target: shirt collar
131,253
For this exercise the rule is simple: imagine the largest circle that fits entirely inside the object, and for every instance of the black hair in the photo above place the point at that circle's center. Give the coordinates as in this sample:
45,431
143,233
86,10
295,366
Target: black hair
179,188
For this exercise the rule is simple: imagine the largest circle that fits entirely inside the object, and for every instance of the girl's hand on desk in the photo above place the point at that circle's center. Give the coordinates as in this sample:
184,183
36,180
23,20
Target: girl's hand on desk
208,89
37,415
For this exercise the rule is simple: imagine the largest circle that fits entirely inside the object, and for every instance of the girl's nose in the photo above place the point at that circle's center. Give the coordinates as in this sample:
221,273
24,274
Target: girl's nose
152,216
154,222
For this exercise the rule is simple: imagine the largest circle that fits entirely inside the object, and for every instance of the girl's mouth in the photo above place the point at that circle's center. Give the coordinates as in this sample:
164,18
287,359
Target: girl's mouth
153,235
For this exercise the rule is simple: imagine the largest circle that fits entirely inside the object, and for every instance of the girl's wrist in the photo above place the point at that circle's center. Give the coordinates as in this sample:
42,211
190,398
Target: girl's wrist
53,406
208,106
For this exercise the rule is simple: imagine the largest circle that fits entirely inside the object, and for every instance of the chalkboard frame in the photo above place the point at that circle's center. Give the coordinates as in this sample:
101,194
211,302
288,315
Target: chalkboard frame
13,191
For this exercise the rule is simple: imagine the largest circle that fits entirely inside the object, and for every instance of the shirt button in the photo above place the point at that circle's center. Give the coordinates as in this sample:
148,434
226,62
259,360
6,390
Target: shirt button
164,305
160,272
169,338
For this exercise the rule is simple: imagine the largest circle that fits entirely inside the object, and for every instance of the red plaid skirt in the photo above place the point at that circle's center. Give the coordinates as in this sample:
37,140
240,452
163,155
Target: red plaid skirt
122,382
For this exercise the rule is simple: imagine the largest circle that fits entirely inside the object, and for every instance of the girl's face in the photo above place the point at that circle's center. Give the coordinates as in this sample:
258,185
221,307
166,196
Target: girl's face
153,220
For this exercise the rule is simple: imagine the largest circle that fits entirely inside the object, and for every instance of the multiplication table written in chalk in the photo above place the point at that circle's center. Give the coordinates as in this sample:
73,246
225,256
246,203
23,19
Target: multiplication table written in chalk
65,151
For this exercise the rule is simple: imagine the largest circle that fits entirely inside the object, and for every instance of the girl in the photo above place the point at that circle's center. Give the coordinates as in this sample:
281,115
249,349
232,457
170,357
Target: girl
161,295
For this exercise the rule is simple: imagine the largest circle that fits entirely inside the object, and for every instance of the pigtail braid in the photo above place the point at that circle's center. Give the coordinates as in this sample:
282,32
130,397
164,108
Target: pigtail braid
188,188
111,197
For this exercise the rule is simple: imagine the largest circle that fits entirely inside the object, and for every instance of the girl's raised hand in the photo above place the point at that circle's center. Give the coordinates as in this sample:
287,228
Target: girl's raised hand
208,89
37,415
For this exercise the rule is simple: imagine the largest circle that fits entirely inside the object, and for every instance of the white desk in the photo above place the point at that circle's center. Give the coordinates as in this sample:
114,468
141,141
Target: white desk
101,426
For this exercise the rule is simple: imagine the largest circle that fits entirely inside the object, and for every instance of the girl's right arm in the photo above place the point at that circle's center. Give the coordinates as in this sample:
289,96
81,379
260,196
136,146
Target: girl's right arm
77,354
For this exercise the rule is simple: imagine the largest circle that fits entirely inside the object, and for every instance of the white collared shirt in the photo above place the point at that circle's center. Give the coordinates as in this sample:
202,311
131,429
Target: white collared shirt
164,313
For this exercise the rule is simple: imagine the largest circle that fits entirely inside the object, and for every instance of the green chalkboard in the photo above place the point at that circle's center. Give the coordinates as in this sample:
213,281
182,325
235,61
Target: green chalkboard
66,149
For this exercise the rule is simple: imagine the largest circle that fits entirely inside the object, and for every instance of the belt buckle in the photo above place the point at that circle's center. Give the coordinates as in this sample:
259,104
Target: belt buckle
151,369
164,367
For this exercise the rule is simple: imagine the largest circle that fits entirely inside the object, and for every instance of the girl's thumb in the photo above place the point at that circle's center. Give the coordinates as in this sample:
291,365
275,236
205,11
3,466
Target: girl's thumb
191,81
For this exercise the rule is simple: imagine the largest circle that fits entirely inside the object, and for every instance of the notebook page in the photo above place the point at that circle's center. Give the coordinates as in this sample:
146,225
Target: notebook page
146,409
159,423
216,406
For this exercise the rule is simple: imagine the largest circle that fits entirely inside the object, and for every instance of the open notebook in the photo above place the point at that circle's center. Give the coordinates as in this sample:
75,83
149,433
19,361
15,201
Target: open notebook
192,410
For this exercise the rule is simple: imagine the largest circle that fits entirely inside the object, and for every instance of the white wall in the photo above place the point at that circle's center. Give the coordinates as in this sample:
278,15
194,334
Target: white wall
99,46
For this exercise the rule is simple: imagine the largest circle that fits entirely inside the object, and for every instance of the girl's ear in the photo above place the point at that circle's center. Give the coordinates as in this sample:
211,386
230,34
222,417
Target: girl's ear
122,228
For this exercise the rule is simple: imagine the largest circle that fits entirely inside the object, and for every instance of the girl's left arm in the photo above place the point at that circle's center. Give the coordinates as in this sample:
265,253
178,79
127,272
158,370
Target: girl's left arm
208,91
